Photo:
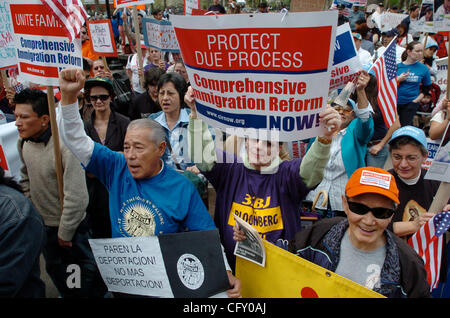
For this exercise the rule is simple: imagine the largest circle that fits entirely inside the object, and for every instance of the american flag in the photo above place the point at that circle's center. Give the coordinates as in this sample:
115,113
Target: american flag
385,69
428,241
71,15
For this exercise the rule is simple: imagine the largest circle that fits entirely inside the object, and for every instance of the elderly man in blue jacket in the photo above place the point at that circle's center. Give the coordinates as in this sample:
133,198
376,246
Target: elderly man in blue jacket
348,147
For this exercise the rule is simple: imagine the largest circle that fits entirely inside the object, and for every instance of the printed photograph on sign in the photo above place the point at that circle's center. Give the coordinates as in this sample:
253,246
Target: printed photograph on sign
441,15
102,37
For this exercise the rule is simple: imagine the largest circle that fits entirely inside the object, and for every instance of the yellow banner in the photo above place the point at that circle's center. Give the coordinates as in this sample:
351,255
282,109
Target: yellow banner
288,276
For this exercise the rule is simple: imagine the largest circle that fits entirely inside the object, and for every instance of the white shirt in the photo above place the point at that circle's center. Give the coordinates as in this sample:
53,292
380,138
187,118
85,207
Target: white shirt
398,50
364,57
133,65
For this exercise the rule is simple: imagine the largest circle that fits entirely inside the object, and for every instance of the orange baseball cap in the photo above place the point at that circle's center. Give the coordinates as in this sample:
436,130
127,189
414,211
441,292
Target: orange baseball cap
372,180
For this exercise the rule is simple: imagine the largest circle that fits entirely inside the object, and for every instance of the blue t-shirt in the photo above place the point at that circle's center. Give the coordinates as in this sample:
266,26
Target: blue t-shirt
165,203
409,89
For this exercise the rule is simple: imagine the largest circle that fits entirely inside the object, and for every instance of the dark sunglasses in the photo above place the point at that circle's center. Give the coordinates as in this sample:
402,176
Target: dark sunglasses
361,209
93,98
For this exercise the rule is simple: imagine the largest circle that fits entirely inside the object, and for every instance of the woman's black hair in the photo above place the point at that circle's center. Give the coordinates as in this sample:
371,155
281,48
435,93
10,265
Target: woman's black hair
178,81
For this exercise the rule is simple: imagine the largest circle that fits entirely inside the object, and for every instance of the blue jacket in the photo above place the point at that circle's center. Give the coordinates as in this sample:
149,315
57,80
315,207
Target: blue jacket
354,144
403,273
22,238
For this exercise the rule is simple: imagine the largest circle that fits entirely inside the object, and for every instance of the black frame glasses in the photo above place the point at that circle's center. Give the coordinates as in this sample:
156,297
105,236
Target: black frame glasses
361,209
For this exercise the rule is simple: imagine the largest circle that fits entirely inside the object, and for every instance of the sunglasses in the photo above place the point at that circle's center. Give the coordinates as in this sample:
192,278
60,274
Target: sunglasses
361,209
93,98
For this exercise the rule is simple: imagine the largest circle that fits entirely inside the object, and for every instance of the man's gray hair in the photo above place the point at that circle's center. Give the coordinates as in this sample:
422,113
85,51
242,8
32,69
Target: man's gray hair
157,133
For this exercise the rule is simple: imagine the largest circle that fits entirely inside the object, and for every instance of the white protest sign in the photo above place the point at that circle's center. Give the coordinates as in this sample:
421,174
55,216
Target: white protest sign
248,75
43,48
132,265
441,75
160,35
432,147
346,63
189,5
186,264
102,38
391,20
7,49
440,166
441,16
9,156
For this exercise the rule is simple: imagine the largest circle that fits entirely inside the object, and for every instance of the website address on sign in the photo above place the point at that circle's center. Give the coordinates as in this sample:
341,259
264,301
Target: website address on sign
227,119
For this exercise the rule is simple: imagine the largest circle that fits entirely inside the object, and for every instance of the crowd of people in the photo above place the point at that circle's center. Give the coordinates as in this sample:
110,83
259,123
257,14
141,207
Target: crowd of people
132,136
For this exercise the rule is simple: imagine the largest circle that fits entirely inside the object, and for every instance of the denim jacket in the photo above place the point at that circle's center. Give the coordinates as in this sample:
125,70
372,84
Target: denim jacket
22,238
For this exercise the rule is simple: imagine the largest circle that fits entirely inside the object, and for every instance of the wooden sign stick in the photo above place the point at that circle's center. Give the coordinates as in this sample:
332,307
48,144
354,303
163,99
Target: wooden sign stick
137,32
56,147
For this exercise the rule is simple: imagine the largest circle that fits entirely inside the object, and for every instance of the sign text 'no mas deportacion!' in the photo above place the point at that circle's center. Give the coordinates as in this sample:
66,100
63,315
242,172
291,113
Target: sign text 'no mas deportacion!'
268,71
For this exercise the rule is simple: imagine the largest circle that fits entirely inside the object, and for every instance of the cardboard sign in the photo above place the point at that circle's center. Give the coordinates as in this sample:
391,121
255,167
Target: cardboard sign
346,63
102,37
307,5
189,5
160,35
432,147
43,48
288,276
249,77
441,75
187,265
7,50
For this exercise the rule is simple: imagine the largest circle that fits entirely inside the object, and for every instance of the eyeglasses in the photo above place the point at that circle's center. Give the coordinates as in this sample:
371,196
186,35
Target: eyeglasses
410,158
101,67
93,98
361,209
345,109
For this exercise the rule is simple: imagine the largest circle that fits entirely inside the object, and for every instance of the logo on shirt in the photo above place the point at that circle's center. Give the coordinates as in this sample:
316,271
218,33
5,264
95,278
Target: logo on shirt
138,218
257,213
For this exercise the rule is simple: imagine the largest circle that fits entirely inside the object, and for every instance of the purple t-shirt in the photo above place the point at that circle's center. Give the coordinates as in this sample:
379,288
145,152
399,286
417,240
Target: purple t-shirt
269,202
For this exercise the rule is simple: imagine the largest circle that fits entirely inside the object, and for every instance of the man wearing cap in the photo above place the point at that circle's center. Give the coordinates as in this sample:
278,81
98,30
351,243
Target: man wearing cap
355,15
348,146
146,197
360,247
364,56
408,151
341,17
387,37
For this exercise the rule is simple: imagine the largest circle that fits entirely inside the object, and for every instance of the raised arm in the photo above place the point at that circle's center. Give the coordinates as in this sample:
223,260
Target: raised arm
70,124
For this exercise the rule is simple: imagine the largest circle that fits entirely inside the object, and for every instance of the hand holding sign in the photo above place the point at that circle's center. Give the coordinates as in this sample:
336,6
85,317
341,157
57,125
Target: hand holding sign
331,119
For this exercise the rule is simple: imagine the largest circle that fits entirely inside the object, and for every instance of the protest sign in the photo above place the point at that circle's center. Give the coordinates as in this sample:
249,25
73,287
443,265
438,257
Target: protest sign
131,3
160,35
189,5
307,5
432,147
288,276
441,16
391,20
254,77
43,48
426,23
440,166
102,37
188,264
7,49
441,75
346,63
9,156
